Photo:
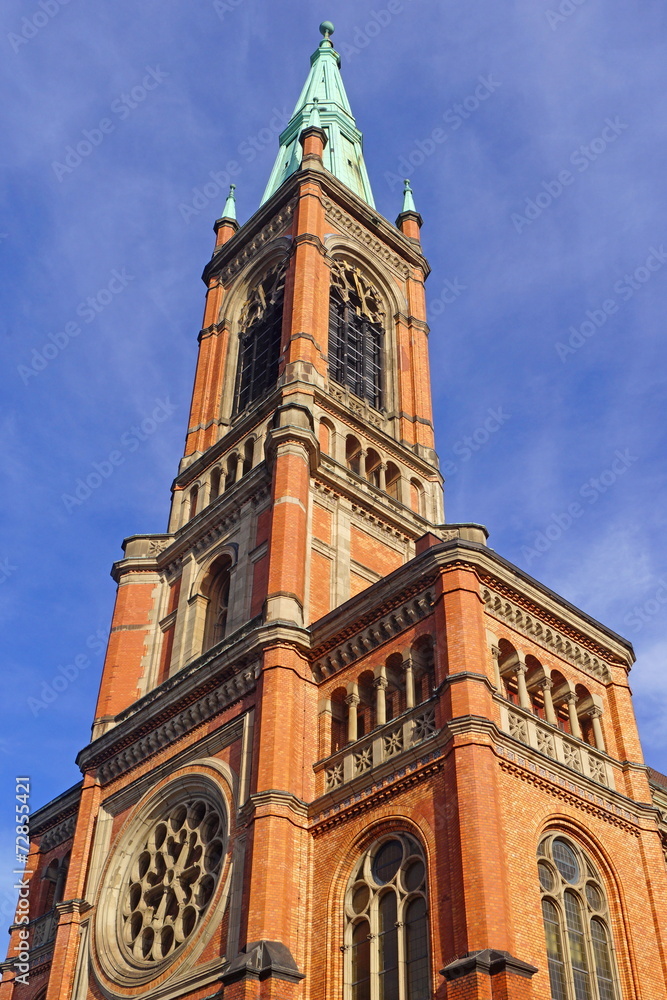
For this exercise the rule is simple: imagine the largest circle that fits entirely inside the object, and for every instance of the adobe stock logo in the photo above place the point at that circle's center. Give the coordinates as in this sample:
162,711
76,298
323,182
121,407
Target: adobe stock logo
31,26
87,310
122,107
591,491
130,441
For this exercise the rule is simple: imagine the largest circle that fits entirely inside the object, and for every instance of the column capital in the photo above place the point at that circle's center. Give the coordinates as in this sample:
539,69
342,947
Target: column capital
570,698
595,713
352,699
381,682
545,683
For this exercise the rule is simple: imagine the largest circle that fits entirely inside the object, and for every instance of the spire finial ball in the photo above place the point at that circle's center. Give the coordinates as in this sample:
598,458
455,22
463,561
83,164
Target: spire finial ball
327,28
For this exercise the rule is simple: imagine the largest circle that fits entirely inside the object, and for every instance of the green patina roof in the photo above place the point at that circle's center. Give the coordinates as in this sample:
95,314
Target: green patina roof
324,97
408,198
229,211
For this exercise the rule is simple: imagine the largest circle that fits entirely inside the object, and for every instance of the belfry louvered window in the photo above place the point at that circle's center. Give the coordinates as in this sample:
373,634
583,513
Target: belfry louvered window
577,922
356,331
259,347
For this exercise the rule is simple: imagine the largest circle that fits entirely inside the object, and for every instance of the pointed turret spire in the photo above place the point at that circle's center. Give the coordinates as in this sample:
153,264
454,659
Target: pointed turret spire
315,121
324,104
227,226
409,220
229,211
408,199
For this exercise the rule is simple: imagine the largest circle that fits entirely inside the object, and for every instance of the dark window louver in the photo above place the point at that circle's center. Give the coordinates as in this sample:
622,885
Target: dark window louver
355,351
259,347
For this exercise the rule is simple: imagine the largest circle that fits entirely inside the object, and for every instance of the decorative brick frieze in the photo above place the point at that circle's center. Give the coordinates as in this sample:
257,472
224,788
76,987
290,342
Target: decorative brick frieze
183,722
58,834
273,231
364,238
383,629
572,788
548,636
340,804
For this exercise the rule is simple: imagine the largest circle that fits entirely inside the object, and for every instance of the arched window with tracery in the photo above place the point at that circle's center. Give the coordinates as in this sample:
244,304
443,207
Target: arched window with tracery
576,923
356,331
260,337
217,591
386,934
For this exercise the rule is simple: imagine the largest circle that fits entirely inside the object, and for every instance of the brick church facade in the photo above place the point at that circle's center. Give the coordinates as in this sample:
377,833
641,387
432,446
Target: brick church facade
341,748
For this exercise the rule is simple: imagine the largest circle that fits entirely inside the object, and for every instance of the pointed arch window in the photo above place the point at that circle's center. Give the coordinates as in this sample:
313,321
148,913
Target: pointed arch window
576,923
260,337
386,923
218,602
356,333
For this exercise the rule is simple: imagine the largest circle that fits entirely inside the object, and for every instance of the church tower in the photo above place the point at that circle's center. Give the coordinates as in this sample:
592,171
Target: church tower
341,749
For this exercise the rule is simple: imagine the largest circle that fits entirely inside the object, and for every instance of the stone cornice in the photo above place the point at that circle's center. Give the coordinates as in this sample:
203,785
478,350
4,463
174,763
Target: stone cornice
163,734
269,798
217,674
488,962
550,638
52,815
269,223
404,612
58,834
353,616
508,580
72,906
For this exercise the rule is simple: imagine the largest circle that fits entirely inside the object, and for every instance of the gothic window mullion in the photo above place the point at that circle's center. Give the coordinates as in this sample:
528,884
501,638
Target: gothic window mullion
576,919
387,894
355,339
260,339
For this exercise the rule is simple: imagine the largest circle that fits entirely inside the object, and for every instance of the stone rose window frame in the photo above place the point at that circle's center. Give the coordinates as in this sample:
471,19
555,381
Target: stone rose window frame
167,882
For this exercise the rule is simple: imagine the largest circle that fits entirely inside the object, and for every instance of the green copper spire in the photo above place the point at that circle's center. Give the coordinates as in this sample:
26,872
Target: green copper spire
323,102
408,199
229,211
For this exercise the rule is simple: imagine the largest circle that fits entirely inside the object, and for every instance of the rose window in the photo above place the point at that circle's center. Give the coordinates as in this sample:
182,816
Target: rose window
172,879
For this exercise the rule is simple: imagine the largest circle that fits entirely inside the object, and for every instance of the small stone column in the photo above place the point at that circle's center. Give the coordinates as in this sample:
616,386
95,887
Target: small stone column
204,496
524,697
383,477
497,679
571,700
381,685
595,715
352,701
549,709
409,684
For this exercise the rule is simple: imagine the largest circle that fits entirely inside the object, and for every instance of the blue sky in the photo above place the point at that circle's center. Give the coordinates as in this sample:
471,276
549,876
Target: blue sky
533,133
